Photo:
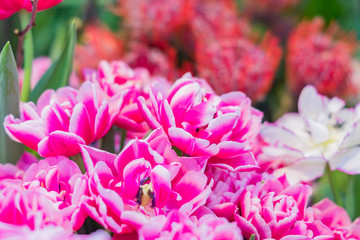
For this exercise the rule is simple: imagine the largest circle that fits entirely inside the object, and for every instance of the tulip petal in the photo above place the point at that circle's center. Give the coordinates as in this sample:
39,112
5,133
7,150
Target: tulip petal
60,143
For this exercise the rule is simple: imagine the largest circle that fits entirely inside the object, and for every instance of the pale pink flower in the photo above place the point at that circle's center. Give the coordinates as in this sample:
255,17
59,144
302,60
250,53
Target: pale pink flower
64,119
300,144
143,181
39,67
223,126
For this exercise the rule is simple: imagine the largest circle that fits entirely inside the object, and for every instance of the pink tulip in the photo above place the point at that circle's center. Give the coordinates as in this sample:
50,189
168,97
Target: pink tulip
228,186
337,220
309,230
270,209
60,180
176,225
141,182
117,77
222,128
9,7
28,207
64,119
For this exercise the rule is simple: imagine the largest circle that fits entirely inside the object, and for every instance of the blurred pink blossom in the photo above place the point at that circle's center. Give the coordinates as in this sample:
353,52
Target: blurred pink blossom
327,64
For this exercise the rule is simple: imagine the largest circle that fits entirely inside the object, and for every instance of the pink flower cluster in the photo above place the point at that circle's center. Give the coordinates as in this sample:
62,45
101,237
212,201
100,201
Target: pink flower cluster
185,169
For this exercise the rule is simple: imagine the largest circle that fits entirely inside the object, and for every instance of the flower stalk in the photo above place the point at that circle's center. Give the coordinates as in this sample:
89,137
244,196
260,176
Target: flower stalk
334,191
21,34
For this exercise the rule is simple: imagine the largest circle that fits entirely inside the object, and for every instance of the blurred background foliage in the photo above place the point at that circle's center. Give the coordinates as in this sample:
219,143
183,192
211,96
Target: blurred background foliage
50,32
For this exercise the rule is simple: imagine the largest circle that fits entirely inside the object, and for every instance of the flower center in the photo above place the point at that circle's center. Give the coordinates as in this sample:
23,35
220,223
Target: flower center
145,195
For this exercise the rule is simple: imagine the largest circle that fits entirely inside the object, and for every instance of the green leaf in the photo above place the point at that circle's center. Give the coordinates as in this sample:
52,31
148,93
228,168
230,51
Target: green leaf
10,151
58,74
252,237
28,57
356,195
350,197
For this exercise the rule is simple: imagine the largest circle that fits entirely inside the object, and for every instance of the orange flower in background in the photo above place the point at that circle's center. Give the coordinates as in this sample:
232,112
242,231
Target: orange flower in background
98,43
321,57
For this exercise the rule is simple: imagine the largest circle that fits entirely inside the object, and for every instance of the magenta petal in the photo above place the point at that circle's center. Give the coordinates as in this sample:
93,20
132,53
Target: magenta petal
144,110
102,121
92,156
134,172
52,180
191,145
161,182
222,125
80,123
246,227
204,113
231,149
242,162
134,219
55,118
190,185
183,99
137,149
29,133
29,112
60,143
226,210
167,117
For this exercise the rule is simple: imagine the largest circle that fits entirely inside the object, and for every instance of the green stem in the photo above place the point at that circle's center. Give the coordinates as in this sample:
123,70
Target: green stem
123,138
79,161
335,193
28,56
108,142
21,34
